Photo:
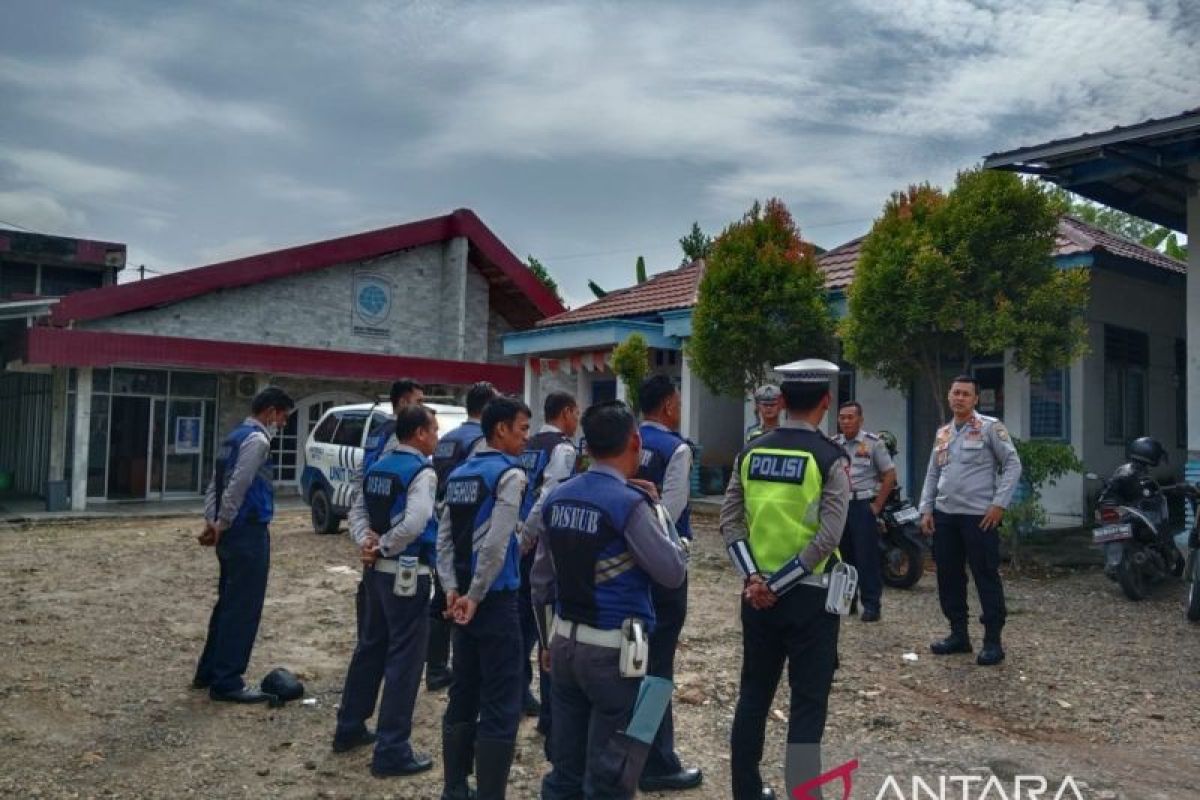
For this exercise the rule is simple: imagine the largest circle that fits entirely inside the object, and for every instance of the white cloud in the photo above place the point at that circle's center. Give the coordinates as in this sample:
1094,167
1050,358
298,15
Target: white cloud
39,211
66,174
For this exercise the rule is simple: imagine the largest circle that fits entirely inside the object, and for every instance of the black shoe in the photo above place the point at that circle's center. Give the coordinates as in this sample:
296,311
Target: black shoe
243,695
991,654
870,615
686,778
436,679
954,643
493,760
344,744
530,705
418,763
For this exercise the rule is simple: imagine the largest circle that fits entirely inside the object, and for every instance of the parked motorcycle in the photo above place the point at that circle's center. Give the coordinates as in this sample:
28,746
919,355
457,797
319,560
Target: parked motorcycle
1189,543
902,547
1133,523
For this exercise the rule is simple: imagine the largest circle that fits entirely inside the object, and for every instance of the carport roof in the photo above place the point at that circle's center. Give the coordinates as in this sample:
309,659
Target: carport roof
1140,169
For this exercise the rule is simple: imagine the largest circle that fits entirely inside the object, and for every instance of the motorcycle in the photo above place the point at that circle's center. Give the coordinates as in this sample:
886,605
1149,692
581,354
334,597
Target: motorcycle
902,547
1189,541
1133,523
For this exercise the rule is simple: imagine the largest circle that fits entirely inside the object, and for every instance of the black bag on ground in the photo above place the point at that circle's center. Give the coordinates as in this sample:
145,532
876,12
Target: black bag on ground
282,683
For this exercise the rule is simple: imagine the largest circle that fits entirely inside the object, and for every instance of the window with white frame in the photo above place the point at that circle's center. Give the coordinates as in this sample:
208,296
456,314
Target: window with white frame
1048,405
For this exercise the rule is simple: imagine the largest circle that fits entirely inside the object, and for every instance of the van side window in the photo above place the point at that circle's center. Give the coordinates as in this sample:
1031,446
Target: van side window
378,421
324,431
350,431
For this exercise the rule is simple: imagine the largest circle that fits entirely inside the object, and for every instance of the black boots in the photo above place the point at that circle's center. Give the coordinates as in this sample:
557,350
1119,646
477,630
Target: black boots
437,673
458,753
956,642
992,652
493,758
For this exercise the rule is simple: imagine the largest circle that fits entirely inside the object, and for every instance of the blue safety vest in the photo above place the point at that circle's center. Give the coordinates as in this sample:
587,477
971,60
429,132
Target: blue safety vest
385,493
470,498
258,506
535,459
376,444
599,583
453,449
657,448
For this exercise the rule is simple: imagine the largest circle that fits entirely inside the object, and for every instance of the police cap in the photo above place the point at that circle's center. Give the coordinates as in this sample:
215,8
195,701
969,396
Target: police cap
766,393
808,370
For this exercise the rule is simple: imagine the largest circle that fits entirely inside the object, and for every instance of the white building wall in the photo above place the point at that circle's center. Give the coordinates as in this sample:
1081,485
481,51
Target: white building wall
886,409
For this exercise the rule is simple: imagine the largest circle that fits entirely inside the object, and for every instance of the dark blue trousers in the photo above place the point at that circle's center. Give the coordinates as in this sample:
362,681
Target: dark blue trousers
797,630
486,683
958,543
591,703
860,549
529,635
393,633
244,555
670,610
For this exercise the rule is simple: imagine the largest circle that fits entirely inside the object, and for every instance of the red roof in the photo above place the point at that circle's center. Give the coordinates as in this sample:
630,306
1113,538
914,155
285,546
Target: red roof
1074,236
517,294
662,292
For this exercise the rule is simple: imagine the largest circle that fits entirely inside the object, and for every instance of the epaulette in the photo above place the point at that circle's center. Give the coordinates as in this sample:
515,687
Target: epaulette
872,436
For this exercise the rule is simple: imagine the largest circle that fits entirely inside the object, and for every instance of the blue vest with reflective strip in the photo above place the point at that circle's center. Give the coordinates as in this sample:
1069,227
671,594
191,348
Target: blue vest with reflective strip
599,583
453,449
470,498
258,506
535,459
373,449
657,448
385,493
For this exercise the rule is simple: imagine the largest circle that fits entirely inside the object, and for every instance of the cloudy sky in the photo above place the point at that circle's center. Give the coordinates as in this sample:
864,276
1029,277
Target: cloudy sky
583,133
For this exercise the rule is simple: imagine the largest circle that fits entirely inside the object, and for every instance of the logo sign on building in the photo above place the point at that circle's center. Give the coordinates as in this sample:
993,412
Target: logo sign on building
187,435
372,304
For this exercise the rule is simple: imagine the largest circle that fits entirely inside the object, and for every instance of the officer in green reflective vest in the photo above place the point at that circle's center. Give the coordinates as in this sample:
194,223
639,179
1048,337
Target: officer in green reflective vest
782,519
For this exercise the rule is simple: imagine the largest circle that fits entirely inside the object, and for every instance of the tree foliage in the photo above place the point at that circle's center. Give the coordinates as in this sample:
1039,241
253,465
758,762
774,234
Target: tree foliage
1119,222
943,278
761,302
695,245
639,270
543,275
631,364
596,290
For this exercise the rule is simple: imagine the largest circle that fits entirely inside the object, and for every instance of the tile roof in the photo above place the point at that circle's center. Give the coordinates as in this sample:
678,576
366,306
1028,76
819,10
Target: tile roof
1076,236
838,263
665,291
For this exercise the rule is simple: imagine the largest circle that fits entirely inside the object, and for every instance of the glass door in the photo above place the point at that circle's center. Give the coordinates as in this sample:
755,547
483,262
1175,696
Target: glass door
186,423
129,446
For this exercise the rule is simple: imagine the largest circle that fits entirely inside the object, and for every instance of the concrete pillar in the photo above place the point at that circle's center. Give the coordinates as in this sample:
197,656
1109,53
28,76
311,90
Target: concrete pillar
1016,399
83,431
1193,333
622,392
533,389
583,389
687,398
58,423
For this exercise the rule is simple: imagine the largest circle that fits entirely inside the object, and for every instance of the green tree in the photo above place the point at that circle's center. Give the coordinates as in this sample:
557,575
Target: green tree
543,275
943,278
596,290
631,364
761,302
1119,222
1042,464
639,270
695,245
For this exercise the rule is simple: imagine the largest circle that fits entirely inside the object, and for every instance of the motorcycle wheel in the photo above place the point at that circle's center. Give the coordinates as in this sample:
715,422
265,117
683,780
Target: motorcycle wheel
1132,581
1194,594
902,565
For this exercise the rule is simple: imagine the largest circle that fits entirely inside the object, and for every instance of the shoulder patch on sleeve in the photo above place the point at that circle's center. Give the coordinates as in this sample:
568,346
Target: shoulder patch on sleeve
1001,431
871,436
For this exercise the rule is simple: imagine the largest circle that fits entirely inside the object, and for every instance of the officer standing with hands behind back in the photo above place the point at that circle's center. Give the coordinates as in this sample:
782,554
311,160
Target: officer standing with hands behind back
973,472
872,476
782,519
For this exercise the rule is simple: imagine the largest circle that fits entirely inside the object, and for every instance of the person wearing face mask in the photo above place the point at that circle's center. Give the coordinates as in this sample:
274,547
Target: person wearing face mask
238,507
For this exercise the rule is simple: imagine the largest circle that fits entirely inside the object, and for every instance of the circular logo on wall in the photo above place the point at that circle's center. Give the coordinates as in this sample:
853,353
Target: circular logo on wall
372,298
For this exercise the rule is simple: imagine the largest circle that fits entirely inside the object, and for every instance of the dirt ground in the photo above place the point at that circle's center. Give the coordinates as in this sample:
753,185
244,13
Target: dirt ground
102,623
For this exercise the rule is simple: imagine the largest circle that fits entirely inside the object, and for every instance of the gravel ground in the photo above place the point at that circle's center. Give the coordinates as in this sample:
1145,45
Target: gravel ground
102,623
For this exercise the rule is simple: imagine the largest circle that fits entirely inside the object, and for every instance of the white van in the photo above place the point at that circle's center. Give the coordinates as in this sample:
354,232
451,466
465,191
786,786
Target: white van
334,456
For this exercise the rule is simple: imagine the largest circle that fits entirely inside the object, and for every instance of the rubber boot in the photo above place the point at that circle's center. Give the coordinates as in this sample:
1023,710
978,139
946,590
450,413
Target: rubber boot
458,742
493,758
957,642
437,675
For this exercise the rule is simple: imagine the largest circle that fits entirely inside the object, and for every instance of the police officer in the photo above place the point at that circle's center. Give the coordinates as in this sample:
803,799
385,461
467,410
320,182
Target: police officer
404,392
238,506
872,476
782,519
973,471
549,459
479,566
769,406
392,521
601,548
666,462
453,449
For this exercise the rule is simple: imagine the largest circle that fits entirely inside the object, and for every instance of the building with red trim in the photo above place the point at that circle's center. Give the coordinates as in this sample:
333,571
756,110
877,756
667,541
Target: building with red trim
120,378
